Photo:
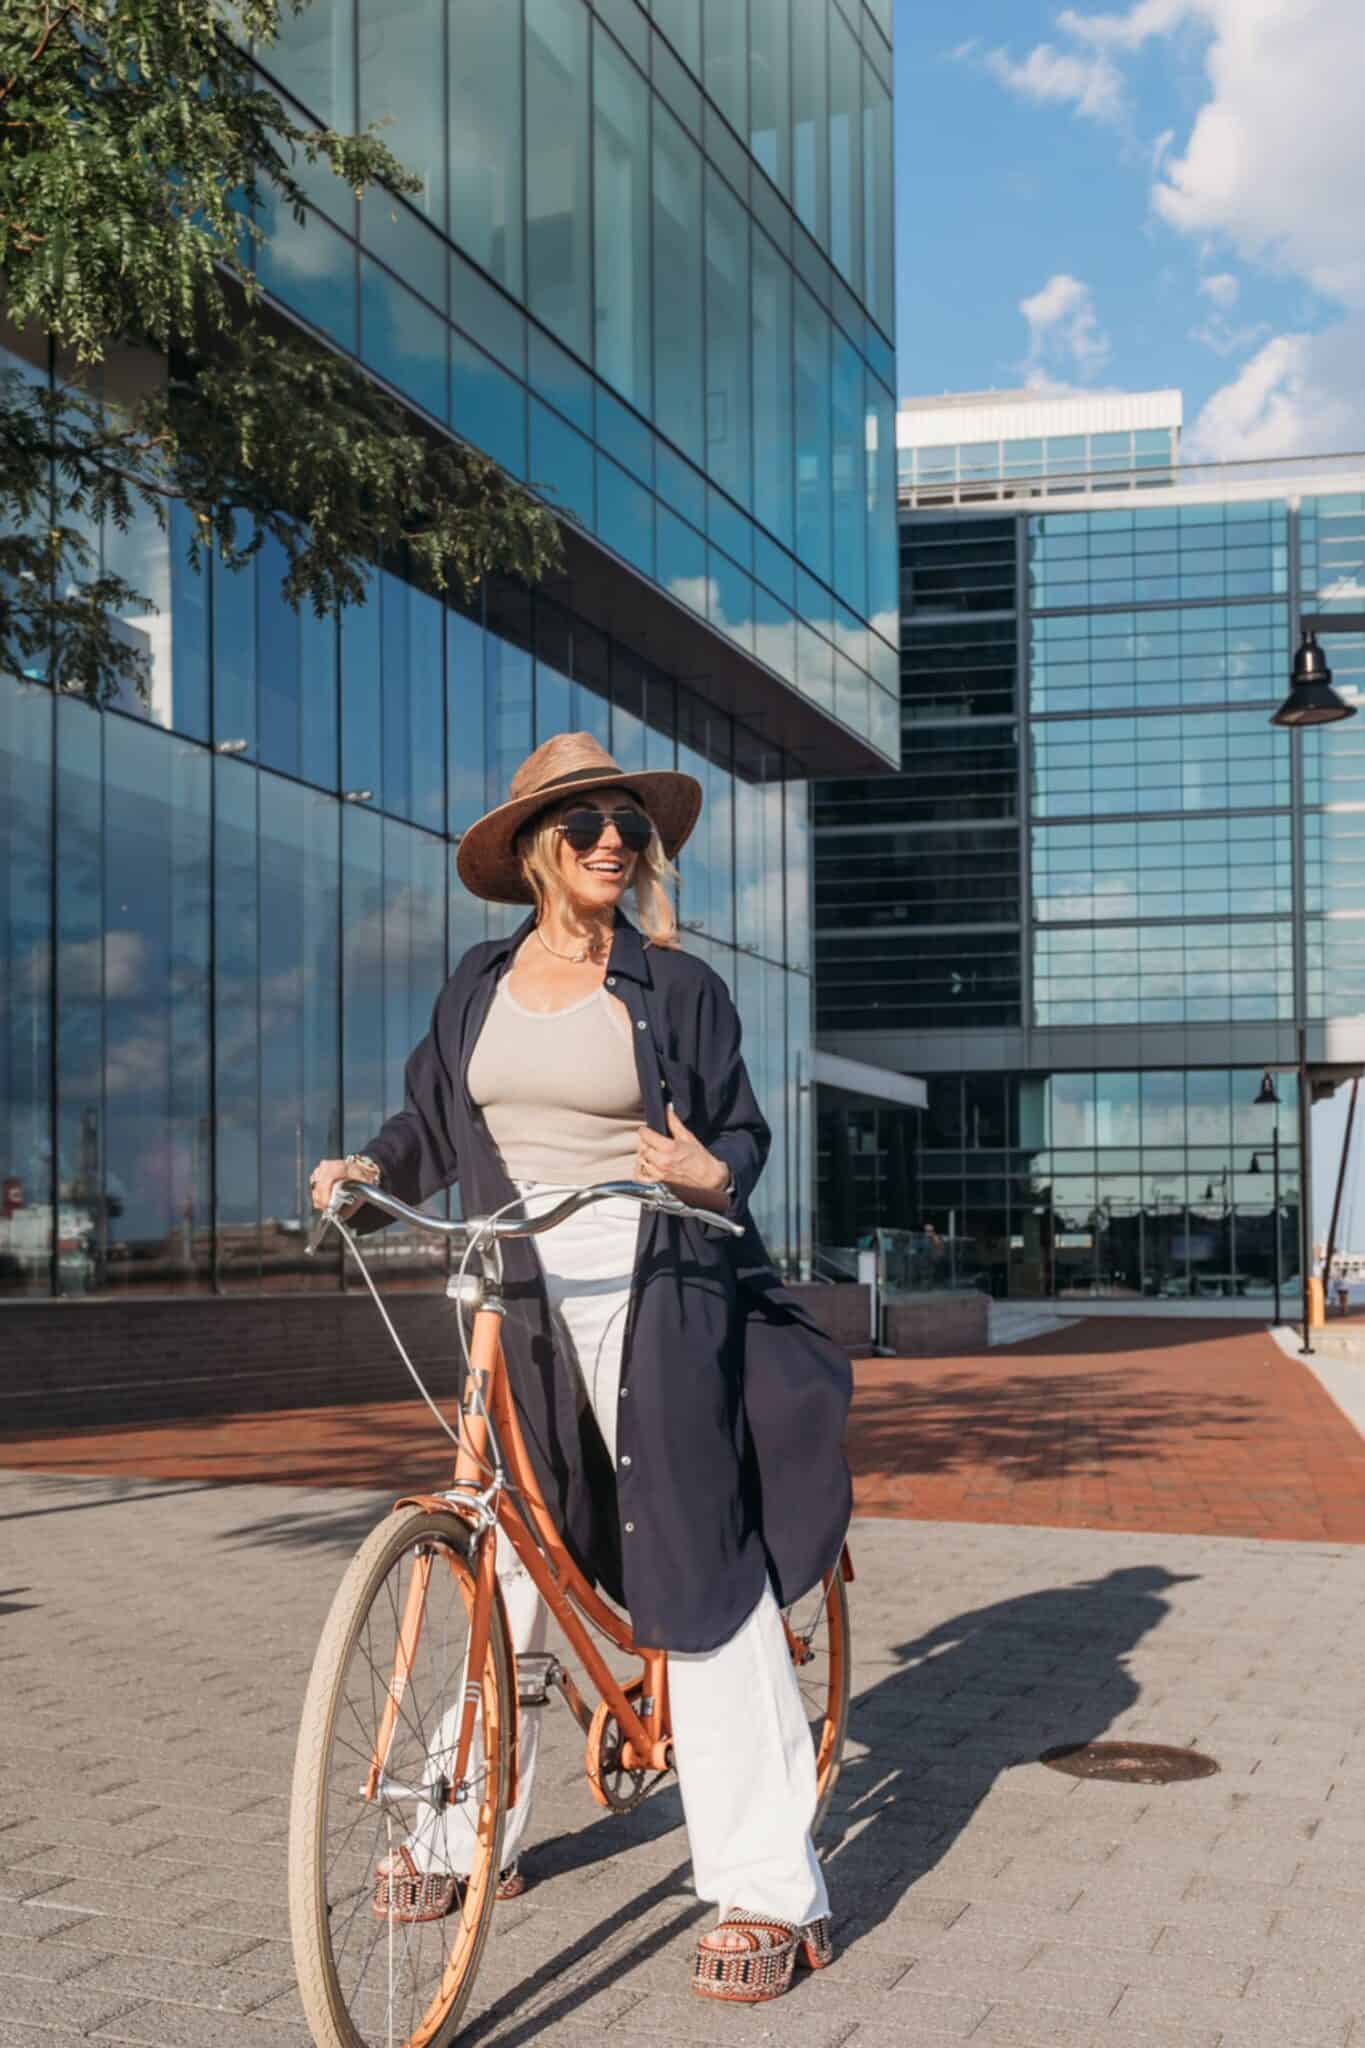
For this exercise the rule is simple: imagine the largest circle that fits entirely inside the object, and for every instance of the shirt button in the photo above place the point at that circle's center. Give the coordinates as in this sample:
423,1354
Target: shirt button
624,1392
641,1025
611,981
630,1528
625,1461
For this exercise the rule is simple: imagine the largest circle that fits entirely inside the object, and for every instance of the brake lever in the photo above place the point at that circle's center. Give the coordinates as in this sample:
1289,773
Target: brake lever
669,1204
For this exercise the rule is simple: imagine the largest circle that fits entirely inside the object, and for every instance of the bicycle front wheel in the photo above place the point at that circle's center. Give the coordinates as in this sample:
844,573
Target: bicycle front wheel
373,1776
818,1638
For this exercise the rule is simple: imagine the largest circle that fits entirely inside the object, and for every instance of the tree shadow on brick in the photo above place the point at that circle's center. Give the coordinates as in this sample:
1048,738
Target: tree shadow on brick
979,1696
1035,1425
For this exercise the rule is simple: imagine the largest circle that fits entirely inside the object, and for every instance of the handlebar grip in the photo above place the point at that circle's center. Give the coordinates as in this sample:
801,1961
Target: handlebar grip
317,1233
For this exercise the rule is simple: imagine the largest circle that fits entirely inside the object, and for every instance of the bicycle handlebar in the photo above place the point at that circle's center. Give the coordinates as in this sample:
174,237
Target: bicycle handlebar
650,1195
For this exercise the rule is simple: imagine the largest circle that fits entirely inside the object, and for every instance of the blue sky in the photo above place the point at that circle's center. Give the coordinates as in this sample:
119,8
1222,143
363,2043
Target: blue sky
1174,187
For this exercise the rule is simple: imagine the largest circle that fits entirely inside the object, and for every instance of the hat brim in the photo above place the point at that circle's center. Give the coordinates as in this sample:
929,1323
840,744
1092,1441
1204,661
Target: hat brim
487,861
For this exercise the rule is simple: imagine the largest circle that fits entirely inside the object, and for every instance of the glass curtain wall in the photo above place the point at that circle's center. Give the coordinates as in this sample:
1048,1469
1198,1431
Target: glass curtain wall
214,967
1158,1184
649,271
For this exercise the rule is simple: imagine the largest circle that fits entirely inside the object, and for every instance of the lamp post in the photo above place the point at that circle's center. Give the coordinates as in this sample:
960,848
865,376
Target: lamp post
1255,1167
1311,701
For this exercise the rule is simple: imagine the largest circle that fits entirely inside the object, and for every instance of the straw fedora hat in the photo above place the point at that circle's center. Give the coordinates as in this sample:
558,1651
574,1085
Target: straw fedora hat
570,764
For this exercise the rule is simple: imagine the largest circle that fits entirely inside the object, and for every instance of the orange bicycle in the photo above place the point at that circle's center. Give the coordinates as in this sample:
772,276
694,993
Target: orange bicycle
410,1724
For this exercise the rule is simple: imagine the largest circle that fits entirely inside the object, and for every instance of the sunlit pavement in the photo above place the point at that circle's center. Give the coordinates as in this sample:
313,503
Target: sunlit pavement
157,1623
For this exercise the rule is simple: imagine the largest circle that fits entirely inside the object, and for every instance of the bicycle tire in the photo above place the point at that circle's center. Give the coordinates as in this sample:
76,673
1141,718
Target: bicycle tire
829,1637
318,1764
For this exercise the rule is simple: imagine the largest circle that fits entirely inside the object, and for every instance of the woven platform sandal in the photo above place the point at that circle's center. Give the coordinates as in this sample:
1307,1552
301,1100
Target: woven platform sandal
745,1959
403,1892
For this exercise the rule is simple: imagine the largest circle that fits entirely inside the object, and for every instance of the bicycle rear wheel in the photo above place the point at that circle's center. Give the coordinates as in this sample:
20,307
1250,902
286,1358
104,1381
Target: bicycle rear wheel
388,1682
818,1637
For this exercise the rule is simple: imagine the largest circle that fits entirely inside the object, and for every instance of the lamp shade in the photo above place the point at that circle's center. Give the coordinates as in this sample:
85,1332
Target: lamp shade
1311,699
1268,1094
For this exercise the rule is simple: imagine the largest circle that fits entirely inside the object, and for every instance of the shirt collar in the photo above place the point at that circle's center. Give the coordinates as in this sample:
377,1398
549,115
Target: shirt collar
627,949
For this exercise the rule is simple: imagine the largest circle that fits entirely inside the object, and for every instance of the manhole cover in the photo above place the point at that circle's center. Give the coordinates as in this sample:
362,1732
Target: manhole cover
1129,1763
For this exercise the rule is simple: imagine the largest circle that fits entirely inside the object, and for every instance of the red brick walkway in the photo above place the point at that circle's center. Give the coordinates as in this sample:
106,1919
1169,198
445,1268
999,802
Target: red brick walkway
1182,1427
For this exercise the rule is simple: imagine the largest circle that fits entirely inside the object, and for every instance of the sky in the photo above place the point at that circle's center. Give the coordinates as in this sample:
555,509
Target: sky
1168,194
1171,193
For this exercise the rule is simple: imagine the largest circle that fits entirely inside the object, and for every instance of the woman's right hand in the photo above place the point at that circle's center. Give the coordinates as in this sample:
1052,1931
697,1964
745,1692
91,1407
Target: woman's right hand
324,1178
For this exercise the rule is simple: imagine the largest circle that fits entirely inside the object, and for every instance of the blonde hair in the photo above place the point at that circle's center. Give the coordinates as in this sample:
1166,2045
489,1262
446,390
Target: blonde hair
538,851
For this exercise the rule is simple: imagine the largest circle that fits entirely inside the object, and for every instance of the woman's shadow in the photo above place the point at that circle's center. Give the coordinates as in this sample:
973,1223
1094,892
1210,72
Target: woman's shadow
972,1698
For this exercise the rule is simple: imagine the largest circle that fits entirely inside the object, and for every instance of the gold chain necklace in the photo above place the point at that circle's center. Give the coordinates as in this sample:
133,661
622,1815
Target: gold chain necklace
576,959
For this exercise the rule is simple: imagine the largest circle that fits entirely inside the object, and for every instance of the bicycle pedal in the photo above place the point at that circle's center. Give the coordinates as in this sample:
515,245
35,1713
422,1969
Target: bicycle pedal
535,1671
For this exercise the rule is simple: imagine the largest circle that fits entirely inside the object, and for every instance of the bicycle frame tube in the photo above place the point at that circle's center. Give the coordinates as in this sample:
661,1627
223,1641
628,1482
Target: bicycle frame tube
558,1579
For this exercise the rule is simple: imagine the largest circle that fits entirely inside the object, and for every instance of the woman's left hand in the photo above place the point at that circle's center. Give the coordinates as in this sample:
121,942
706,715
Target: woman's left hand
682,1163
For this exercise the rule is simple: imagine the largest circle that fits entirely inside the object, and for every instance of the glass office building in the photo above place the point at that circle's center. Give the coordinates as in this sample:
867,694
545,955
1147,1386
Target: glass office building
649,272
1104,891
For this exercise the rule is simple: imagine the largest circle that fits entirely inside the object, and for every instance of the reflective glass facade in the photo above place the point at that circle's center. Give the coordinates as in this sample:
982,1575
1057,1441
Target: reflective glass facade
214,968
1103,892
1136,1185
1042,467
650,272
225,914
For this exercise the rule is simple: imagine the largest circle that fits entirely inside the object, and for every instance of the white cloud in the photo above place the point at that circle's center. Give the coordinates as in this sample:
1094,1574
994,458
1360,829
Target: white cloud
1049,75
1063,328
1271,168
1300,394
1223,288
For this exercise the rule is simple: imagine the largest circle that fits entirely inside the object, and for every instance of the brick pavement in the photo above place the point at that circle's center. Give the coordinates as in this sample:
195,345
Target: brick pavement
1188,1426
154,1642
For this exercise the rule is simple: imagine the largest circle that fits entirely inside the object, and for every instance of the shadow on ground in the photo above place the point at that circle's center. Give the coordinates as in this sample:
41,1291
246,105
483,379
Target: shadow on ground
1033,1425
969,1701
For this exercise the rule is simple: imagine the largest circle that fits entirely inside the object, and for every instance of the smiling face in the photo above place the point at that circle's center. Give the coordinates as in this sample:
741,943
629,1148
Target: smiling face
597,878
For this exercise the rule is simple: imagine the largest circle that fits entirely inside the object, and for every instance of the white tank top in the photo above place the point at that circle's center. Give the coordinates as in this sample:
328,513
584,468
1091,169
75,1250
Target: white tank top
558,1089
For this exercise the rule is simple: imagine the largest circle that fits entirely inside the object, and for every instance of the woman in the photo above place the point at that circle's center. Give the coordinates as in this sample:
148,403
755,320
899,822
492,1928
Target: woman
694,1459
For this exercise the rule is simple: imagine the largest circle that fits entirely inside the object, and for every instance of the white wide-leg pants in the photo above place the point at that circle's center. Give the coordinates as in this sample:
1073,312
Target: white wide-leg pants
742,1744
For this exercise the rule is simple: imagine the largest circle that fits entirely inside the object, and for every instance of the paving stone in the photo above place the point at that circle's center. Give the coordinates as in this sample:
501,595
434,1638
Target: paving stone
162,1977
1274,2022
151,2024
44,1961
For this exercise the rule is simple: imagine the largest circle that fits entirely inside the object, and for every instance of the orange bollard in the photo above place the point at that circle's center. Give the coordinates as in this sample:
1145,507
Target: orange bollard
1316,1313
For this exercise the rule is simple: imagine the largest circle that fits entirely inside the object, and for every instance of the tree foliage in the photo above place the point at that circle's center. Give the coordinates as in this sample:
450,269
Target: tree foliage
138,148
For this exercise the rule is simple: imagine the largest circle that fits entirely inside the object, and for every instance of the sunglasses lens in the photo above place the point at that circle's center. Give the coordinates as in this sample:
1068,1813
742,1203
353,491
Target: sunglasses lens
584,828
634,829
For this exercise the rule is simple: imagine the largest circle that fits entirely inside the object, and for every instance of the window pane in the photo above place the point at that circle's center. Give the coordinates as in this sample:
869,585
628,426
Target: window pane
680,21
879,248
486,405
485,136
812,433
770,112
850,476
312,55
724,39
558,236
621,215
561,463
772,353
25,974
402,338
845,151
727,339
361,746
402,77
883,566
810,116
678,355
467,793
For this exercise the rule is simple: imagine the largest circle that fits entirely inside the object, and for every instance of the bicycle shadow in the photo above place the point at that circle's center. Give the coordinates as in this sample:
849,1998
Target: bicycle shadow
980,1694
967,1701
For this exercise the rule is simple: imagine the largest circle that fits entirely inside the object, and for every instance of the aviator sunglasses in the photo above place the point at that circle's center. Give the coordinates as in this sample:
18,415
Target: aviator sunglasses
583,828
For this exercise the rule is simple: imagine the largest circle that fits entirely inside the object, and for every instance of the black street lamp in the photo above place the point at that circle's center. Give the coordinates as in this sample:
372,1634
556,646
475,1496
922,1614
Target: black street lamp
1255,1167
1311,699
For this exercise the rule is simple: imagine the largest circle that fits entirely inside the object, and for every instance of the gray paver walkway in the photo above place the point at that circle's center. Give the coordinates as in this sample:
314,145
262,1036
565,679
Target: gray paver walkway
154,1643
